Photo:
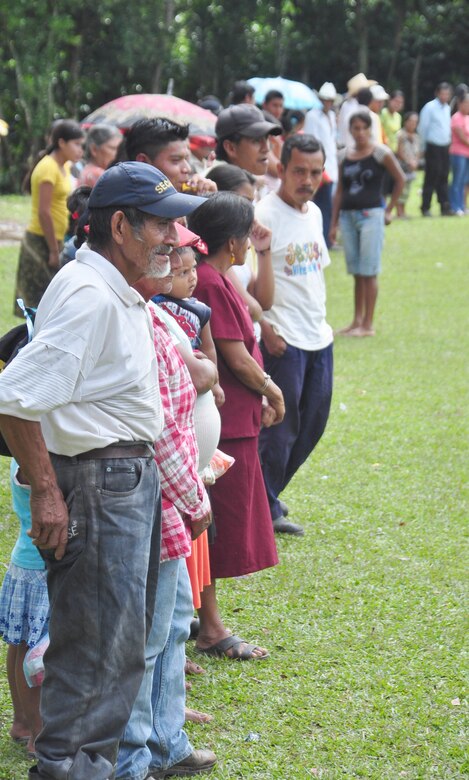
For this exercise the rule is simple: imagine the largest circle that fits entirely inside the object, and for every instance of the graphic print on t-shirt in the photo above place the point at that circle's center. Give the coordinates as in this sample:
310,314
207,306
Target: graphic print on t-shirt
357,176
302,259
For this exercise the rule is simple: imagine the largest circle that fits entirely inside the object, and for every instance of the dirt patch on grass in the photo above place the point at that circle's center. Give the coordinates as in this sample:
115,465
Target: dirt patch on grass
10,232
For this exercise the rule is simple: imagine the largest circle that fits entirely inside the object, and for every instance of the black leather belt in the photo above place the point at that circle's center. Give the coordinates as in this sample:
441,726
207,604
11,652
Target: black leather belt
124,450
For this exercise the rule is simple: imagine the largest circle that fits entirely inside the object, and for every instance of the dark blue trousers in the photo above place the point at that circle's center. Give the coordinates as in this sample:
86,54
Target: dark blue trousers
323,199
305,379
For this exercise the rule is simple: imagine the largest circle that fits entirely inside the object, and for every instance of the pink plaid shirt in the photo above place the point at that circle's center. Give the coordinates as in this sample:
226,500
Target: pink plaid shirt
177,455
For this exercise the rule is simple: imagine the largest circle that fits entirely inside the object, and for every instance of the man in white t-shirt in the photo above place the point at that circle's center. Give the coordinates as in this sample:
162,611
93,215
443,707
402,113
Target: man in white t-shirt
296,339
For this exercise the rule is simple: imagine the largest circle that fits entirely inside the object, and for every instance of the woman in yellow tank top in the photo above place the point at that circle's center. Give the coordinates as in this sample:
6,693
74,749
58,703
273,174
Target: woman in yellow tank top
51,183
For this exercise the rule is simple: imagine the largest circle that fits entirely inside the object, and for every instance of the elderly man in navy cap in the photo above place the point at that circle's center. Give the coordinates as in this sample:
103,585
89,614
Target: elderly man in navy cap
80,409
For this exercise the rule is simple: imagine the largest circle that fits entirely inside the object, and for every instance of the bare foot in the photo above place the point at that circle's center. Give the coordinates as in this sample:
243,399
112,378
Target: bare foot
360,332
187,685
192,668
347,331
197,717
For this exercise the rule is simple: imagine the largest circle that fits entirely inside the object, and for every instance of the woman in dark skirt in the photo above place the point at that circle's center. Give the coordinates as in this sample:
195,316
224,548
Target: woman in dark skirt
244,541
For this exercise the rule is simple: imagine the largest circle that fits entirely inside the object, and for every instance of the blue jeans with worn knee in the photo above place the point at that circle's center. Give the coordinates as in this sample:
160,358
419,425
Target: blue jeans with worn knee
102,597
305,378
154,737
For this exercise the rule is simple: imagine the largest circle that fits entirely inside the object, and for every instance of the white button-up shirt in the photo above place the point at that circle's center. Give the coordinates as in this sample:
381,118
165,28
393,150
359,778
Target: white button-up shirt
324,127
435,123
90,374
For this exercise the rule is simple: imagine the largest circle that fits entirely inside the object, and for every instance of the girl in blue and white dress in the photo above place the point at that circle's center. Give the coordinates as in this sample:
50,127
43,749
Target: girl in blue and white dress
24,614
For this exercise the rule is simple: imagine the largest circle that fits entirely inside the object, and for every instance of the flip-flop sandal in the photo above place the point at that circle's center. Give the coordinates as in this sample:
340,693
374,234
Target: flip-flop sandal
20,740
233,643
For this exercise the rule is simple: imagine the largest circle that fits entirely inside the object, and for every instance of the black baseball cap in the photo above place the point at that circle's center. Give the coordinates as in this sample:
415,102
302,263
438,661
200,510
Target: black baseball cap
144,187
245,119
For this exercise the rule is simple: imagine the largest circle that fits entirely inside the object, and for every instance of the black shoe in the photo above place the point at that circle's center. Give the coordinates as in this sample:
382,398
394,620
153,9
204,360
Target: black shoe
447,213
198,762
284,508
426,213
283,526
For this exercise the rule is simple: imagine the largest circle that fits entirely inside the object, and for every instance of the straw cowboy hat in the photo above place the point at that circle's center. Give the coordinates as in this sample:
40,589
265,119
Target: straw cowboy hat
358,82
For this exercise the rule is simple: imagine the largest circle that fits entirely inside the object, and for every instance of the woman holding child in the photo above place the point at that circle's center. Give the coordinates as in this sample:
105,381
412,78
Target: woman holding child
244,541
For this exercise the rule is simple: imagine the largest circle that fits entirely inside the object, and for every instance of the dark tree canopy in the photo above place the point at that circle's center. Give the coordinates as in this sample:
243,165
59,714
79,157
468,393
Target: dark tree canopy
64,59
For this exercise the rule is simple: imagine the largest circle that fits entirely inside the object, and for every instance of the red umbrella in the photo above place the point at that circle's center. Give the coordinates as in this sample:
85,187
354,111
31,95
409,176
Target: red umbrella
126,110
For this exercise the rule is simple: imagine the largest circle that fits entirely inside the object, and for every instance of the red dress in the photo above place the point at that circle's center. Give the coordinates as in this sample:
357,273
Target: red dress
244,540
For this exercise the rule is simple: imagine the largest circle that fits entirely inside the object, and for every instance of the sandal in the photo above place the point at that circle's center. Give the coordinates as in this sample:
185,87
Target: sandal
233,643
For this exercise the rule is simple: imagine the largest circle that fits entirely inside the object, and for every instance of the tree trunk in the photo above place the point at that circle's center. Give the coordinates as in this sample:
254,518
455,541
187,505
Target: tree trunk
362,36
415,81
156,81
75,73
163,48
398,31
20,85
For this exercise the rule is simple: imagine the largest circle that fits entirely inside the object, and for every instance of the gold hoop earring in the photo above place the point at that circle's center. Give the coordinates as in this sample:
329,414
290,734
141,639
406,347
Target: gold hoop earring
232,259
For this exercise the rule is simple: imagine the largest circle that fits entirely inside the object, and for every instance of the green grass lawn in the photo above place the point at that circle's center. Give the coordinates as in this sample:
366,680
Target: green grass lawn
365,616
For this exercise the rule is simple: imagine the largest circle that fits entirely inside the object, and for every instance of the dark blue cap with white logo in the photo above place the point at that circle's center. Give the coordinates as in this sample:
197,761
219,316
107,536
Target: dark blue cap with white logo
145,188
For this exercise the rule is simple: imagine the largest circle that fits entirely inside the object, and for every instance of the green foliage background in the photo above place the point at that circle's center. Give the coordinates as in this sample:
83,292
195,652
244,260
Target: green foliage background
64,59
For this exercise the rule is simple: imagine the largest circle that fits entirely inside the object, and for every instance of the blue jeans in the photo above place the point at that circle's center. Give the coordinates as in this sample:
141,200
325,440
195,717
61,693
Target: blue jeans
362,232
102,597
154,738
460,169
305,379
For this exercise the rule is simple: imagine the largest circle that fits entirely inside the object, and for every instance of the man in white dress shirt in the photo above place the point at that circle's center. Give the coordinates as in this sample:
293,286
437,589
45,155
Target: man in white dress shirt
80,409
322,123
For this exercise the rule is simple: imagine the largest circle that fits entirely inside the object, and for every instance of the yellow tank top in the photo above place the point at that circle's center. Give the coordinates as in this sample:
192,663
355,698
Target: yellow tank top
47,170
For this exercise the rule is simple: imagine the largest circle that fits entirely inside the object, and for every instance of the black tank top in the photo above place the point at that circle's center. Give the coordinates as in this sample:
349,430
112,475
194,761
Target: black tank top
362,180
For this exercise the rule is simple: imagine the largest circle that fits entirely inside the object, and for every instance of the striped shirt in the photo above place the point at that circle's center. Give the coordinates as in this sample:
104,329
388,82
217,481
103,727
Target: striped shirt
81,376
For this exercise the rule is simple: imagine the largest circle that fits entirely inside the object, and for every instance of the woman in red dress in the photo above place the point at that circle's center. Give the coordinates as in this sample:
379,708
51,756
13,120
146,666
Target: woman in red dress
244,540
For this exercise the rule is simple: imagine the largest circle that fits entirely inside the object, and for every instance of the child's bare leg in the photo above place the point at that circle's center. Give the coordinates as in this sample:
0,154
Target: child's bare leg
19,728
29,697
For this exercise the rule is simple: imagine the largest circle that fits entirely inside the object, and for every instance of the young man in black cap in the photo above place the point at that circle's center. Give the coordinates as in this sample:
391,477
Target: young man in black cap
243,138
80,409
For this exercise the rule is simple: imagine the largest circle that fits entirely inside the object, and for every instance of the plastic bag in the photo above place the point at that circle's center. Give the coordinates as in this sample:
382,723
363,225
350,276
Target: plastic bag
33,664
219,465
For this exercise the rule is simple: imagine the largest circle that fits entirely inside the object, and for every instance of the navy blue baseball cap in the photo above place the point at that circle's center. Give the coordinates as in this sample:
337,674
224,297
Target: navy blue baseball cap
144,187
